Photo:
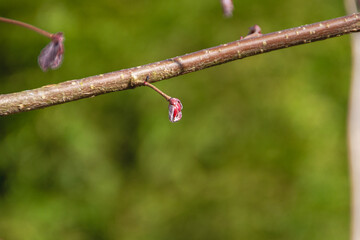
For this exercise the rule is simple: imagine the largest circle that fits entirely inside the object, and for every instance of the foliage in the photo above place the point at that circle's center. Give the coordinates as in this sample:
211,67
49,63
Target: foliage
260,154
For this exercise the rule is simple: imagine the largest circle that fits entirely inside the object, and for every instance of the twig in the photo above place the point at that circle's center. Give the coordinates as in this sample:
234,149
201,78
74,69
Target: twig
167,97
28,26
353,130
354,138
133,77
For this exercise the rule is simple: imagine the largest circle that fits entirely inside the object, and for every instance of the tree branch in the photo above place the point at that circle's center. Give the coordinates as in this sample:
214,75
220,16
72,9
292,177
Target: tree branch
353,129
133,77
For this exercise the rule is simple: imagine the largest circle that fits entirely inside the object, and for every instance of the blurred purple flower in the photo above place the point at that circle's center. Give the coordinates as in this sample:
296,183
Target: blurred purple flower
52,55
228,7
175,108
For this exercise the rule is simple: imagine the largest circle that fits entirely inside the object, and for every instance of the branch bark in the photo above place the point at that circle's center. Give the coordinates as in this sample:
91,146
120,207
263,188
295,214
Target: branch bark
133,77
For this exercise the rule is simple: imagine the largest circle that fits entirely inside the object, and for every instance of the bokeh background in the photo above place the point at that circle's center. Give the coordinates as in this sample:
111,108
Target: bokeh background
259,154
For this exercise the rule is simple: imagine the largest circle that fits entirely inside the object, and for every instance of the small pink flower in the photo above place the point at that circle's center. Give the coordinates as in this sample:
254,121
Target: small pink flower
52,55
175,105
175,108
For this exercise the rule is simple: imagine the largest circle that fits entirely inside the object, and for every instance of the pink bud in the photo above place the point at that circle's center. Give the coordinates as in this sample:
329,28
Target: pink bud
175,108
228,7
52,55
255,29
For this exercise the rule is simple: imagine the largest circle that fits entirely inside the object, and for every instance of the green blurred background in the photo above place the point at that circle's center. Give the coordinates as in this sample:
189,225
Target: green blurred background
259,154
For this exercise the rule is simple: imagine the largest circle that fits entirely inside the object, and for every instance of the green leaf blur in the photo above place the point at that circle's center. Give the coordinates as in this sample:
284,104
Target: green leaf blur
259,154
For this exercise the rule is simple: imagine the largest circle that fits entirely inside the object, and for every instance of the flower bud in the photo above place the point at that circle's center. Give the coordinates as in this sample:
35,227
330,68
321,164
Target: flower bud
228,7
175,108
255,29
52,55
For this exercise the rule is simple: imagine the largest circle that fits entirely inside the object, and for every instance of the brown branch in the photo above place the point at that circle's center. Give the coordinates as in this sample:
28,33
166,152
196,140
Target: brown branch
133,77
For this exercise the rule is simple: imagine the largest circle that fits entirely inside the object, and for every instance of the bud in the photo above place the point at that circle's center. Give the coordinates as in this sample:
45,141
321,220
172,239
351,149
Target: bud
52,55
228,7
175,108
256,29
